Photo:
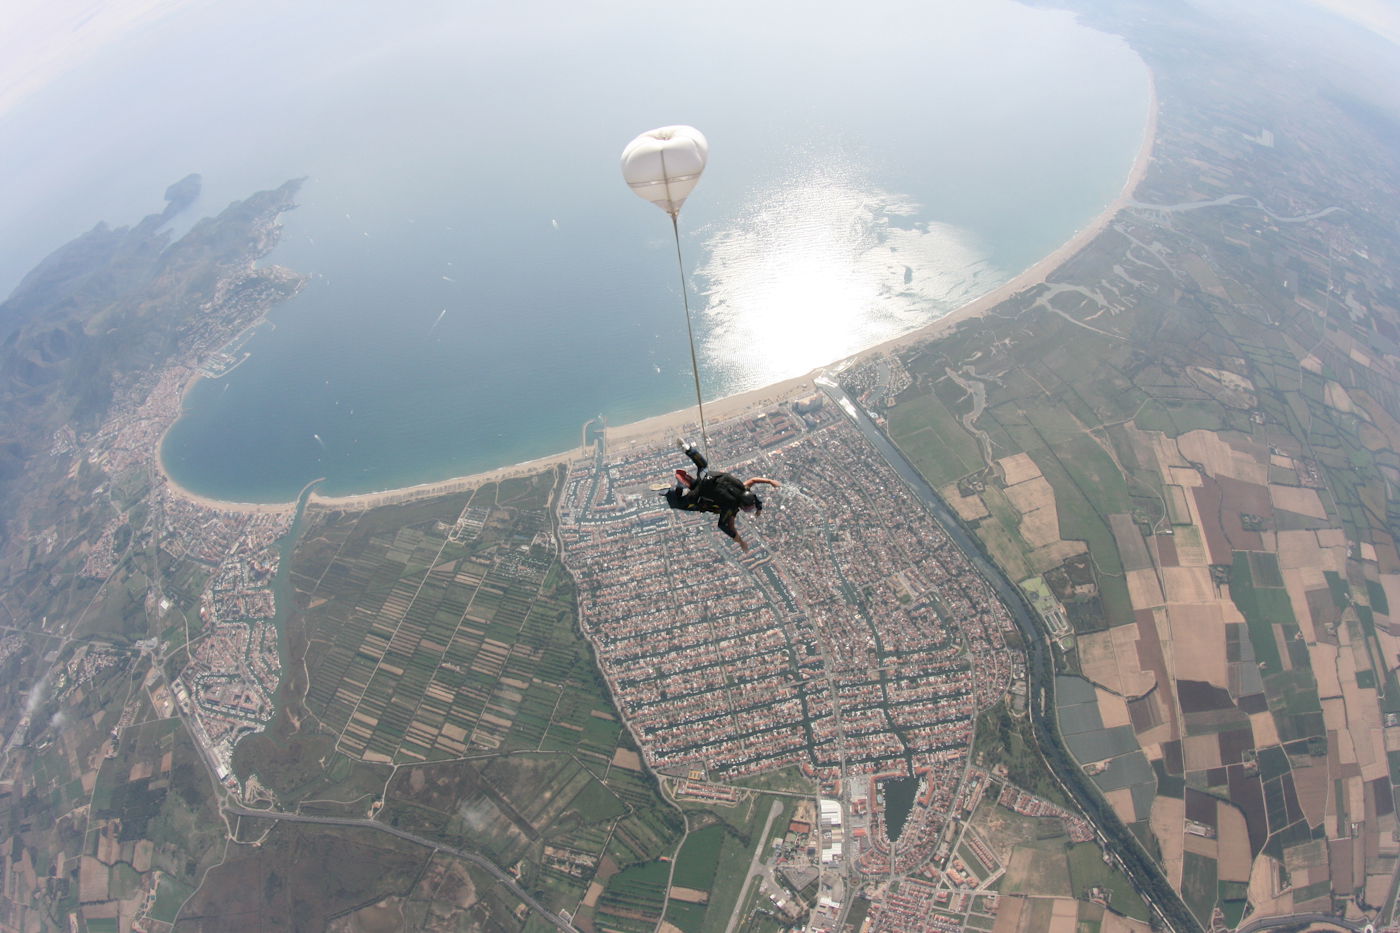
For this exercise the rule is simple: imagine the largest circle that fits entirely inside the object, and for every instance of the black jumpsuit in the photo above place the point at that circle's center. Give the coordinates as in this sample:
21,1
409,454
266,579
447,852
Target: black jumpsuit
702,497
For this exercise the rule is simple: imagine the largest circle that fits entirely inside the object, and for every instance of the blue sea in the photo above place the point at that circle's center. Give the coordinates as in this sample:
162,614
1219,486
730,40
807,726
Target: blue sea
482,282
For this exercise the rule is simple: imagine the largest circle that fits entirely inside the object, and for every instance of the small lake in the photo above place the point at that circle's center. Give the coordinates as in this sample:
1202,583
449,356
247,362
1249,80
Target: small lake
899,802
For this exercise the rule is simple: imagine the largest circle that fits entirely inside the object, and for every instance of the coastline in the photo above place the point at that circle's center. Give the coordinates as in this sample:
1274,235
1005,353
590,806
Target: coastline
442,487
661,428
168,483
218,505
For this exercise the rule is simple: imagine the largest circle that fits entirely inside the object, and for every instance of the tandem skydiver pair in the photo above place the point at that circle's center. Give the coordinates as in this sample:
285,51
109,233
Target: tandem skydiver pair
720,493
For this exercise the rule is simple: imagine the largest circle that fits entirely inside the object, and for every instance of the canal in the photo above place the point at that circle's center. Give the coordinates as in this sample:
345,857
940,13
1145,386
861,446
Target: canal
1144,874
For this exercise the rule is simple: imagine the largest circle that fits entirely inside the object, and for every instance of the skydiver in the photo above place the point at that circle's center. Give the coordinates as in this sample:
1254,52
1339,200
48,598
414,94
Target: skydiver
722,493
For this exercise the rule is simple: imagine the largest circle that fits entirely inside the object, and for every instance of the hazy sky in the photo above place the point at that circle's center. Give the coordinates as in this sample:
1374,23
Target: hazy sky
41,40
89,63
1380,16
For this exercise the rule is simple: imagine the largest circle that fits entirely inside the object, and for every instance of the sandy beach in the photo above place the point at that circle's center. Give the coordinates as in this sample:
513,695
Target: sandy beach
219,505
661,429
371,500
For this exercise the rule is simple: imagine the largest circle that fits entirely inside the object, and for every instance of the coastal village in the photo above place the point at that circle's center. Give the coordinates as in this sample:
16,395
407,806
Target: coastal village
857,651
784,664
235,666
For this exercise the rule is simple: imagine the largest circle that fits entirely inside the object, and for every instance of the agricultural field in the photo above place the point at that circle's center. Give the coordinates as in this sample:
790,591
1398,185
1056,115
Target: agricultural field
1087,870
1191,443
456,699
119,789
432,637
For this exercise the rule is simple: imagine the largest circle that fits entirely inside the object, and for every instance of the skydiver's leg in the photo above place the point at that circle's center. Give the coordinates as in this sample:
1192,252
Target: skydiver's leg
696,457
726,525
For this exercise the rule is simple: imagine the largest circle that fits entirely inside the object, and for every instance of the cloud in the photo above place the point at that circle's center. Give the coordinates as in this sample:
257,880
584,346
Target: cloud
35,696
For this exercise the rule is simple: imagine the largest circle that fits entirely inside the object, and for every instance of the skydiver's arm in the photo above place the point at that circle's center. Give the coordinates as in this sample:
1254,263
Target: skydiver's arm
749,483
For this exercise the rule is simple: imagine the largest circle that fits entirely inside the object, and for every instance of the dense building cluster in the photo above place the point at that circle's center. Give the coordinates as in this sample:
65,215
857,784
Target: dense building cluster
853,641
138,419
235,665
913,908
875,382
212,535
87,662
229,683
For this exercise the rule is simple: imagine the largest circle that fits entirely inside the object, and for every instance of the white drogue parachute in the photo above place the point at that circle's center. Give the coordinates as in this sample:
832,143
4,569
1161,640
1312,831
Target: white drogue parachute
663,165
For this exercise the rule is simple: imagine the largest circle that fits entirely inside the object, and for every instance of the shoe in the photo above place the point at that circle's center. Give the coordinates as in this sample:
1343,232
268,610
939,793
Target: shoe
682,443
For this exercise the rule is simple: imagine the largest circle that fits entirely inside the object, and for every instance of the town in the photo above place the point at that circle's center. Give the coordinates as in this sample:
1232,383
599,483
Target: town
855,649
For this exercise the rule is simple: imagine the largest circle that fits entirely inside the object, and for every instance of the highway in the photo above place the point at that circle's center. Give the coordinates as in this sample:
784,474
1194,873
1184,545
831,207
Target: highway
477,860
1116,839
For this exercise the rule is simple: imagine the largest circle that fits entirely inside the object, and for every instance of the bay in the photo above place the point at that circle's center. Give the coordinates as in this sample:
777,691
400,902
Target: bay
483,282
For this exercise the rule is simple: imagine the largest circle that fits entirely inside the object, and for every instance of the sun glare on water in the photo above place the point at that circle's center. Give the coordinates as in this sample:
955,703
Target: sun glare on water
824,265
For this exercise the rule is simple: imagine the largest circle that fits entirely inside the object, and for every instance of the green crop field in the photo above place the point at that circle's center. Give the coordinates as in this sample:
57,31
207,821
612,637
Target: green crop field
1261,610
434,644
634,897
451,649
699,858
1087,869
1198,885
169,896
934,440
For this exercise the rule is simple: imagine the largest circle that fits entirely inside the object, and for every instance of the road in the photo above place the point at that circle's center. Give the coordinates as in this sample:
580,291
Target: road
1117,840
477,860
1303,920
